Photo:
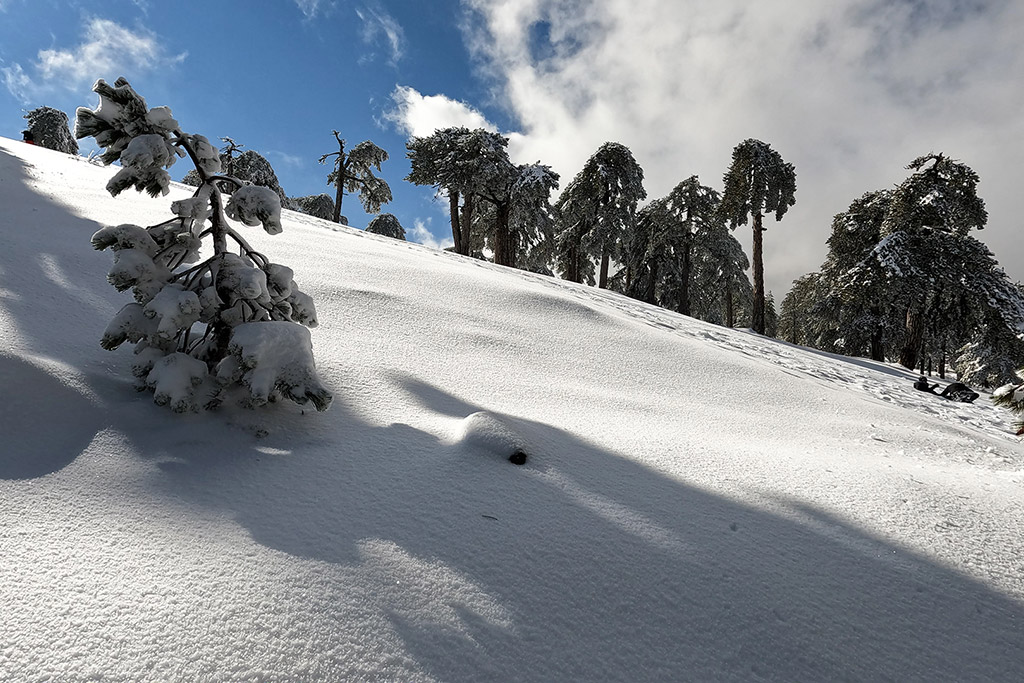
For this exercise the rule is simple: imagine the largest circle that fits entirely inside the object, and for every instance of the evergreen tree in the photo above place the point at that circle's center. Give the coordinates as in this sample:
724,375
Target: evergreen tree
319,205
500,201
771,316
386,224
796,318
853,314
693,216
353,172
227,321
597,212
758,181
930,216
50,129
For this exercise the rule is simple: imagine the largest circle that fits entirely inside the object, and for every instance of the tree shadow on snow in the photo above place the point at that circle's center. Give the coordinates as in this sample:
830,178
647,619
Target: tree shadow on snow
607,569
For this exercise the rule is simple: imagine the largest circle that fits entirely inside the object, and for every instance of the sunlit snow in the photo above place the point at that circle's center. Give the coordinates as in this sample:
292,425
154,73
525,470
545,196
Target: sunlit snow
698,503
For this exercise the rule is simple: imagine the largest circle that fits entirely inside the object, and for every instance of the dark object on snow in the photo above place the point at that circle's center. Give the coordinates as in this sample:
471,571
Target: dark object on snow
922,385
27,136
518,458
957,391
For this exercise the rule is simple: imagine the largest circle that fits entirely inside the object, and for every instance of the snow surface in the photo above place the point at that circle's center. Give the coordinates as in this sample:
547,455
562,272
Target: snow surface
698,503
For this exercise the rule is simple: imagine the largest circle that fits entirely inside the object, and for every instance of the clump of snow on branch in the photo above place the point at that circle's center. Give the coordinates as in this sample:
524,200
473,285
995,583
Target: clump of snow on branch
233,319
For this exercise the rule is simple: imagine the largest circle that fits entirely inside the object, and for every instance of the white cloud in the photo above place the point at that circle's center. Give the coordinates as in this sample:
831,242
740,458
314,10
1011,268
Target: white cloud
286,159
420,115
849,91
379,25
107,50
421,234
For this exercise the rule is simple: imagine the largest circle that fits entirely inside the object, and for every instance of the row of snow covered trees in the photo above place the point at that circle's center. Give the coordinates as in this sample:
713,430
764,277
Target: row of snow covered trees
677,251
906,280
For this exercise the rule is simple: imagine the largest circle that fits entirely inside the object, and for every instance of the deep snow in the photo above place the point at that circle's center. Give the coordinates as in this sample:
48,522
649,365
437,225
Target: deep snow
698,504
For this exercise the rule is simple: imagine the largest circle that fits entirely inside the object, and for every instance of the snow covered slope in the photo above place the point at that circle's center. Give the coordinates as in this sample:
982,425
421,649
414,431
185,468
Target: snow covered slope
698,504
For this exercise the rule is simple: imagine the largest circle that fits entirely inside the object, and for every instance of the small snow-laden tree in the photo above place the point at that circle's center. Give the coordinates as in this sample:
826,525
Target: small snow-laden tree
200,326
758,182
386,224
597,211
50,129
318,205
352,171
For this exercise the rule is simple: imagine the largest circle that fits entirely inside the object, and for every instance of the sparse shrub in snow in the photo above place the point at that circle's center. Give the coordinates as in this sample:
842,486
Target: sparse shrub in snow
229,320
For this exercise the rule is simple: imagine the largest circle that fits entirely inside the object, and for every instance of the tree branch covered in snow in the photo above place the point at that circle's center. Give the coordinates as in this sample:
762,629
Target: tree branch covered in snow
189,313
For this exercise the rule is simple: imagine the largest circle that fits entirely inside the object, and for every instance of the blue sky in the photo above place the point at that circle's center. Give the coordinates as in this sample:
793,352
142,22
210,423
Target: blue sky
850,91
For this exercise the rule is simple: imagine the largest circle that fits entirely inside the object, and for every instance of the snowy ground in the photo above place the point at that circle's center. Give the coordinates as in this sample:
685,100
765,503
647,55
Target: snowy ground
699,503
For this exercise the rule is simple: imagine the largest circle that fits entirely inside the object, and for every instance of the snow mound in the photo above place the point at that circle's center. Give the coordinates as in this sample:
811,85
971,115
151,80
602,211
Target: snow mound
490,434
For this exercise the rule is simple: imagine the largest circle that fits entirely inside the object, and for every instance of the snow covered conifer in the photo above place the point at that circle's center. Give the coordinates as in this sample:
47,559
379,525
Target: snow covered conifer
597,211
200,326
386,224
353,172
319,205
49,128
758,181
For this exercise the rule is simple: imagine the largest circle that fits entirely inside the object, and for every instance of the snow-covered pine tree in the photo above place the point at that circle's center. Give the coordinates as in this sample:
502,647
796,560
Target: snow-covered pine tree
927,224
853,314
597,211
50,129
771,316
693,216
386,224
437,160
319,205
758,181
490,198
200,327
352,171
797,314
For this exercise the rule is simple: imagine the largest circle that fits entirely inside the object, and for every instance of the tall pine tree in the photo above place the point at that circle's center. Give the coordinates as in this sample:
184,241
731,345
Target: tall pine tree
758,182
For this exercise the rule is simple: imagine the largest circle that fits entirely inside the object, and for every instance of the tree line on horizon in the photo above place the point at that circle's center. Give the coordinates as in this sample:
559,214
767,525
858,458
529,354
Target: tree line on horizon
904,280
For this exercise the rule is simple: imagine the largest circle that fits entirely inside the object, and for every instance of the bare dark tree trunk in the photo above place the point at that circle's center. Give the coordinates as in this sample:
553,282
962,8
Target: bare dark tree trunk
453,211
602,281
730,308
504,250
652,283
757,322
339,181
915,336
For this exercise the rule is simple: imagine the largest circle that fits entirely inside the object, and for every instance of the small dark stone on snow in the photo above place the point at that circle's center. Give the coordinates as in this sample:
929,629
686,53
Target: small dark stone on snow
517,458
